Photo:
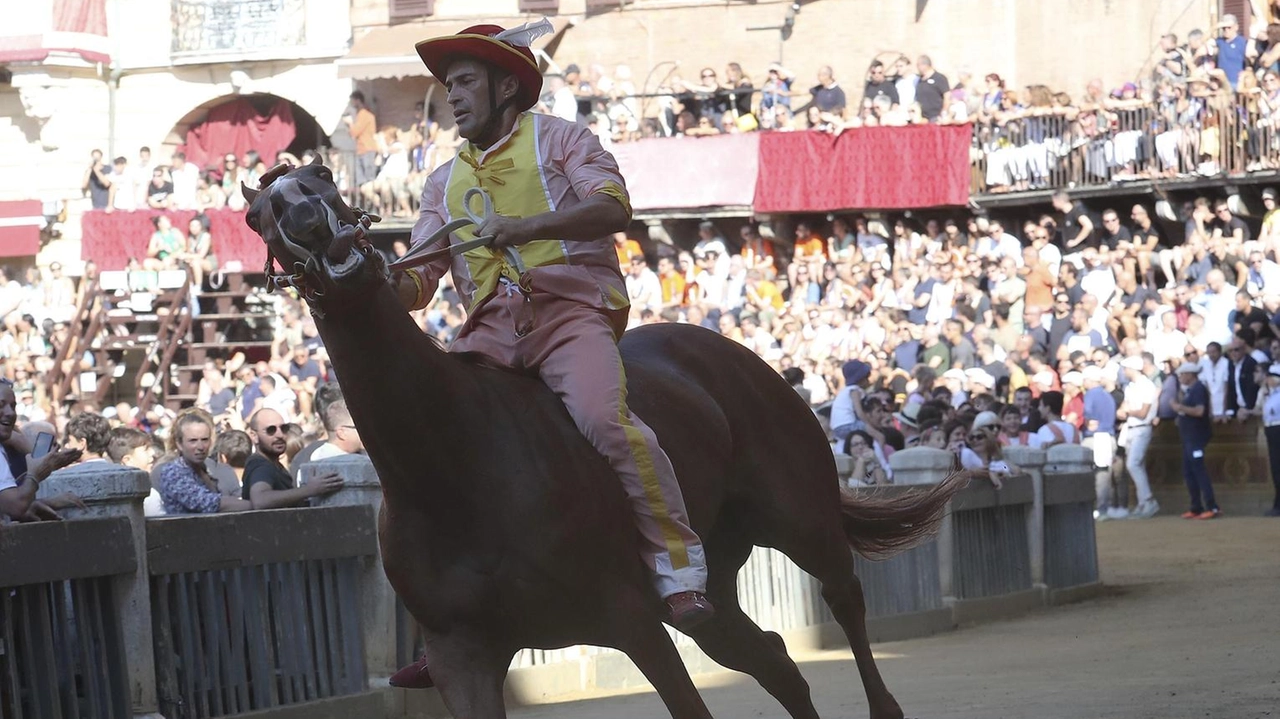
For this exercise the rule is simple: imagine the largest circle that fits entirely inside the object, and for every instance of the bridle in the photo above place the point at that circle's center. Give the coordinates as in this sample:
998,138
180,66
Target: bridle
297,280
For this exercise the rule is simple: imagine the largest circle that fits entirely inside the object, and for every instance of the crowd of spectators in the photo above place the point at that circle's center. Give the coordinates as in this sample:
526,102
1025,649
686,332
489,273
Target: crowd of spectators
966,322
1207,106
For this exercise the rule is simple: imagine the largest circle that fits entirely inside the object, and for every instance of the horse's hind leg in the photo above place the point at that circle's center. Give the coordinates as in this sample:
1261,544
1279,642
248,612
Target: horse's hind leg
649,646
736,642
831,561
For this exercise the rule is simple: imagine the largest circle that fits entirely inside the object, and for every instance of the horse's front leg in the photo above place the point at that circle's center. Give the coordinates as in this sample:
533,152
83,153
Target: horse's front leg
469,672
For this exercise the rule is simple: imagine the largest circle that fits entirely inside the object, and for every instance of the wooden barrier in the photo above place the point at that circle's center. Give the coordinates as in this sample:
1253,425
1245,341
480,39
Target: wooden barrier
242,623
287,613
61,650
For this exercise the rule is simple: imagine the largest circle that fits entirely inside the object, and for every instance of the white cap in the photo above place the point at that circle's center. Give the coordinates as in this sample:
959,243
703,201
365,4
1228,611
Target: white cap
986,419
1044,377
1074,378
1187,367
1133,363
1274,369
956,374
1092,373
982,377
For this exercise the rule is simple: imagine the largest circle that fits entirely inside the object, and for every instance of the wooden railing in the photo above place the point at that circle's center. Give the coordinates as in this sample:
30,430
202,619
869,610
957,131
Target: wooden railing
83,327
1040,149
173,331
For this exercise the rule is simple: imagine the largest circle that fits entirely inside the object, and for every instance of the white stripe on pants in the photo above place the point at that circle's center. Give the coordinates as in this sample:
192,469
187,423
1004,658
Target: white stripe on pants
1137,439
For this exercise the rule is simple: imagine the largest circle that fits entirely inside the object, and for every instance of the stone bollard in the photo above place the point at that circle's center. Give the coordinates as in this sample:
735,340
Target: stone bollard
112,490
377,598
1068,458
1070,495
926,465
1032,461
921,465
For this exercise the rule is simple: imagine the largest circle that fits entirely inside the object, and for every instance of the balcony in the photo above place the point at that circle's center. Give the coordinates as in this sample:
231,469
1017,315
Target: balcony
239,30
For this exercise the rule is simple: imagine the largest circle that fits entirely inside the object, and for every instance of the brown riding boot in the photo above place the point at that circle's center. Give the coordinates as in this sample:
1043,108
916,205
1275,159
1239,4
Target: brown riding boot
414,676
689,610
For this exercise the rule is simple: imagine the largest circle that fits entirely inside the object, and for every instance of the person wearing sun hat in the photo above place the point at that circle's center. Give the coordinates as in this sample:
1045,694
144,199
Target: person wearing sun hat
547,294
1196,428
846,408
1138,411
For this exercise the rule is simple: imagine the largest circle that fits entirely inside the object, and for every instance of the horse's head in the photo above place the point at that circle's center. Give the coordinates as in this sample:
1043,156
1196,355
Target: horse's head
318,240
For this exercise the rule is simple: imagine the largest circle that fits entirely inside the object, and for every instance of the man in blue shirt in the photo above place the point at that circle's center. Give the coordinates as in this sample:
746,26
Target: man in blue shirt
1100,436
1231,48
1196,428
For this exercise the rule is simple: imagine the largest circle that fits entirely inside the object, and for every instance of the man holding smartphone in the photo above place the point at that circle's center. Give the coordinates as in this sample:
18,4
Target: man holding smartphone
19,479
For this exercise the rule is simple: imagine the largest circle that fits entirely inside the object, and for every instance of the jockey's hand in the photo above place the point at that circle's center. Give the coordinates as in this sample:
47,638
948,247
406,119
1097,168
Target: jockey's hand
405,288
506,231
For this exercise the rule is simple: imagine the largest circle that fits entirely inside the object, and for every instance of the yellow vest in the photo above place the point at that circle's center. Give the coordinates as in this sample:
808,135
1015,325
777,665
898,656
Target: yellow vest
513,178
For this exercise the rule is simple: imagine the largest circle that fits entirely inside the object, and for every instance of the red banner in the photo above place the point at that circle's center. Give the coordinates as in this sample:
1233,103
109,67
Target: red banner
868,168
111,239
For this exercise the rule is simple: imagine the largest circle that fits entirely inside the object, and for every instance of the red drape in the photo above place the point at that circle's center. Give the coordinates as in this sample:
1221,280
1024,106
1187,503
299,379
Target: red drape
661,175
880,168
110,239
236,127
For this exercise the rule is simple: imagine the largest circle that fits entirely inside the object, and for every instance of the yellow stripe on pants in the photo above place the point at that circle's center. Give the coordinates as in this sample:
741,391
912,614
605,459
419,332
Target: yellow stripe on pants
649,478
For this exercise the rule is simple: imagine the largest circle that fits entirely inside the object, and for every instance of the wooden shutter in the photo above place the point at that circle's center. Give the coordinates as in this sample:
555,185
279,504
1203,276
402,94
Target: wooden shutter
602,5
408,9
1241,9
544,6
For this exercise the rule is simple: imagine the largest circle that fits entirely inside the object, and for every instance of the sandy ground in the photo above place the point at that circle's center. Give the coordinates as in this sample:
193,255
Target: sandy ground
1189,627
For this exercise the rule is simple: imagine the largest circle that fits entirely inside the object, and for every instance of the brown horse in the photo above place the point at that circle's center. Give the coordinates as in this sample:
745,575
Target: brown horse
503,529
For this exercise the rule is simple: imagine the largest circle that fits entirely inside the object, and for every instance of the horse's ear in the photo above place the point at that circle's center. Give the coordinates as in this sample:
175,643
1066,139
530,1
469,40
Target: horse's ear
249,193
319,159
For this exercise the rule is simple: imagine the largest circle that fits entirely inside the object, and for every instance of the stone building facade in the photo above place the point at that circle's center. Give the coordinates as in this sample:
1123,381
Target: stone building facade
168,61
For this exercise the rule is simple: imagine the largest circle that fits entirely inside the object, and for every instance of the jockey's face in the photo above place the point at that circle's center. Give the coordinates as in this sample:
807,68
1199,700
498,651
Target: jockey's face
467,83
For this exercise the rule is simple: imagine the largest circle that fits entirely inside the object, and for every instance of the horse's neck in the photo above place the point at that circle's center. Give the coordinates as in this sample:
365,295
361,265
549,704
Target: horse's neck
403,390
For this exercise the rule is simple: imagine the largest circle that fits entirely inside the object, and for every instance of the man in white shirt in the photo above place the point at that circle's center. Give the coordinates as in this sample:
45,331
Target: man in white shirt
998,244
1216,305
1098,279
1138,412
185,178
344,439
1214,369
1055,429
1168,341
1264,277
123,194
643,287
709,240
563,102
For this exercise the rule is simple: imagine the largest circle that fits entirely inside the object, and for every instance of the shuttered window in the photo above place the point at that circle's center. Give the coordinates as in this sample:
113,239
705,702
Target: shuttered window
542,6
599,5
407,9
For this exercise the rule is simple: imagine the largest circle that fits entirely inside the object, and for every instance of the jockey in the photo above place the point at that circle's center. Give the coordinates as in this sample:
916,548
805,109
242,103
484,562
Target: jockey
558,197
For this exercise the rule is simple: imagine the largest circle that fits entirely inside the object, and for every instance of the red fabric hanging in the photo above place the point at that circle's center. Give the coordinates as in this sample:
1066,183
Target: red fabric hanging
110,239
868,168
235,127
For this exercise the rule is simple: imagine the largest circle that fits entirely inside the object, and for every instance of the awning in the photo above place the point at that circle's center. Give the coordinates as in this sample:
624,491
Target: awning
77,47
387,52
689,173
20,223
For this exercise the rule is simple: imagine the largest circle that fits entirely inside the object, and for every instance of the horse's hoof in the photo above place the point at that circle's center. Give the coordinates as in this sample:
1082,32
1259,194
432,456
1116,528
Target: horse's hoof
414,676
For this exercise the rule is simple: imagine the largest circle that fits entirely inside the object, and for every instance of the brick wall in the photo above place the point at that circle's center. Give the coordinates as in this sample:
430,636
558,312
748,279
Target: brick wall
1061,43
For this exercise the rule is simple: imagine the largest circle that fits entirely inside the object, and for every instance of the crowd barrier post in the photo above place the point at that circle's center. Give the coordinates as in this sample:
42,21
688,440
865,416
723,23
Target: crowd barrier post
112,490
378,599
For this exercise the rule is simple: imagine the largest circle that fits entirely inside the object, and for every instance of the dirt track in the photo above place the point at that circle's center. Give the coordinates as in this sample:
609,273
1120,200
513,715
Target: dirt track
1190,627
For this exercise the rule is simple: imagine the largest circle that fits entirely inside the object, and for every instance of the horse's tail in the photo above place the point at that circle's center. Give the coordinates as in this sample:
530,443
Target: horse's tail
879,526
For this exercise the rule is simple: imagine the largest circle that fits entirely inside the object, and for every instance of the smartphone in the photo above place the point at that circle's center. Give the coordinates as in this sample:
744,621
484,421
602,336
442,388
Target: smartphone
44,444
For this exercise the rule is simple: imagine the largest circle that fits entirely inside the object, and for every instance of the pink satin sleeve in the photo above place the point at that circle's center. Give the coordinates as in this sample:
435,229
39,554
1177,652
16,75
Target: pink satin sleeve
431,217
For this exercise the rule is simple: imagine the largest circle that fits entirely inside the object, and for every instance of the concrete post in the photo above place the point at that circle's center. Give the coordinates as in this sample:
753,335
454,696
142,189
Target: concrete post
926,465
1031,462
921,465
1068,459
377,598
111,490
